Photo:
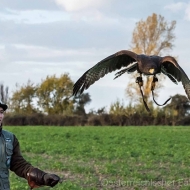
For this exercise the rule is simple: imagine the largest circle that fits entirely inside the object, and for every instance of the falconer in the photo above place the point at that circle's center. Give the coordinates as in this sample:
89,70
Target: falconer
11,158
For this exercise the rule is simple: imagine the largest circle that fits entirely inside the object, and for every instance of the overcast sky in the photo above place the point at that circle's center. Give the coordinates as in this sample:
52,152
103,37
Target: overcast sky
46,37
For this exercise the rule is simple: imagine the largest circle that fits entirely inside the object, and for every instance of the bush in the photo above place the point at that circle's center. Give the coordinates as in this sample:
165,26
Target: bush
135,119
41,119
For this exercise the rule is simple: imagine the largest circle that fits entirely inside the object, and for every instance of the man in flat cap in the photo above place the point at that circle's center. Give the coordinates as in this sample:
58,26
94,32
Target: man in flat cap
11,158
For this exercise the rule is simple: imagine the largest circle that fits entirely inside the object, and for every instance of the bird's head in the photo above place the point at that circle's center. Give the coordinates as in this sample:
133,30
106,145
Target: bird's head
149,65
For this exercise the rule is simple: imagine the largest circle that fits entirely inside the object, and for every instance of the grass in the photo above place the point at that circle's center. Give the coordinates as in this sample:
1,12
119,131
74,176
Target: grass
108,157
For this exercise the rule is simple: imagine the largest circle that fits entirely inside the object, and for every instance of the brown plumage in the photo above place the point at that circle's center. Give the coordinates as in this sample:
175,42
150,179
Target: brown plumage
130,61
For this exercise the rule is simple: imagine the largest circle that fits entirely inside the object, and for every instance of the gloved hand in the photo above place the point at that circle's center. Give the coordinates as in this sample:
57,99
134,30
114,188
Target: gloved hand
37,178
51,179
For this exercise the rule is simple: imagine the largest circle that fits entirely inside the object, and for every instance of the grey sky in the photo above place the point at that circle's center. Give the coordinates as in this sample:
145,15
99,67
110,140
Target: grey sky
46,37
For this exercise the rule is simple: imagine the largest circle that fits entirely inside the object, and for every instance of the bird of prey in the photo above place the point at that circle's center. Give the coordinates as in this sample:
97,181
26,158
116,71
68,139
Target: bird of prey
130,62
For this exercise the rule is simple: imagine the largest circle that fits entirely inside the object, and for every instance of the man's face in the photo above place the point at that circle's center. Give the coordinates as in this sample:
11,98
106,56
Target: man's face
1,115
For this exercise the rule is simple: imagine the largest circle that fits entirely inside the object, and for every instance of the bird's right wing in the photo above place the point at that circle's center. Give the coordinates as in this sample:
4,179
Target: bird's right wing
113,62
171,66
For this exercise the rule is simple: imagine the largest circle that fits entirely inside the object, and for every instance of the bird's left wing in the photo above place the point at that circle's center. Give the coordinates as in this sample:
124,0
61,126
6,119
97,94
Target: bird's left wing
171,66
113,62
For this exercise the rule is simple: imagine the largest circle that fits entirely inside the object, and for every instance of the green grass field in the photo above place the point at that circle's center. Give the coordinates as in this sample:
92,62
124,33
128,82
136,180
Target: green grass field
108,157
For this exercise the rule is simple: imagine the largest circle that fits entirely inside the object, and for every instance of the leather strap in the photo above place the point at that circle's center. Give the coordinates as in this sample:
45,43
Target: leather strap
158,103
153,84
140,83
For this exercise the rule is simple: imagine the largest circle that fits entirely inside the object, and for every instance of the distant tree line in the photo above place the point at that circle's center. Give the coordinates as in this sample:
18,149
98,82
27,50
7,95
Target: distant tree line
51,103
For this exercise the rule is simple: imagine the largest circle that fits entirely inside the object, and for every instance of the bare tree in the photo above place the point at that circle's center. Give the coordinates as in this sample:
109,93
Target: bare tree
4,93
154,36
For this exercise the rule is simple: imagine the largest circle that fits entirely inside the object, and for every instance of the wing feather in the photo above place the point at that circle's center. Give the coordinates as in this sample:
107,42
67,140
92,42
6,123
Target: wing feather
186,84
169,75
128,70
109,64
172,67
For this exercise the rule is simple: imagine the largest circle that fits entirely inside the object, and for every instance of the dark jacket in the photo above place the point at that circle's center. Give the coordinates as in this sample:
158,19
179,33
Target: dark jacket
18,164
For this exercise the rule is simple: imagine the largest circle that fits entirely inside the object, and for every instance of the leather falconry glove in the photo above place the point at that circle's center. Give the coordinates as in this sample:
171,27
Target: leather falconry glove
37,178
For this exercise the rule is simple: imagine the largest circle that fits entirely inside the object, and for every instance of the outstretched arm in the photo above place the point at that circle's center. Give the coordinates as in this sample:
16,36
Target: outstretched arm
34,176
18,164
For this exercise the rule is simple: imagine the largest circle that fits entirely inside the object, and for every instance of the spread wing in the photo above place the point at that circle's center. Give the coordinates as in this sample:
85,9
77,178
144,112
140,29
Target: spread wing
113,62
175,72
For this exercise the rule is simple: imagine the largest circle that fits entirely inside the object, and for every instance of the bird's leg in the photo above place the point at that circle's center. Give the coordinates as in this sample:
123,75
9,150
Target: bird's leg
153,84
139,80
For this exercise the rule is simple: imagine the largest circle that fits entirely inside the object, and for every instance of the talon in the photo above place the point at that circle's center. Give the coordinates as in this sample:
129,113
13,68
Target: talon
139,80
153,84
155,79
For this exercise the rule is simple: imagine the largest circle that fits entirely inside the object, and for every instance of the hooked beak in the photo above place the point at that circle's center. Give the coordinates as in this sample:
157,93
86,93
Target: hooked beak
151,71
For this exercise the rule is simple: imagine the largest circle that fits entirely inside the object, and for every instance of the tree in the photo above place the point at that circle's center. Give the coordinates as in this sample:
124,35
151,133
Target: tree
152,37
117,108
81,101
22,100
4,93
178,107
54,95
